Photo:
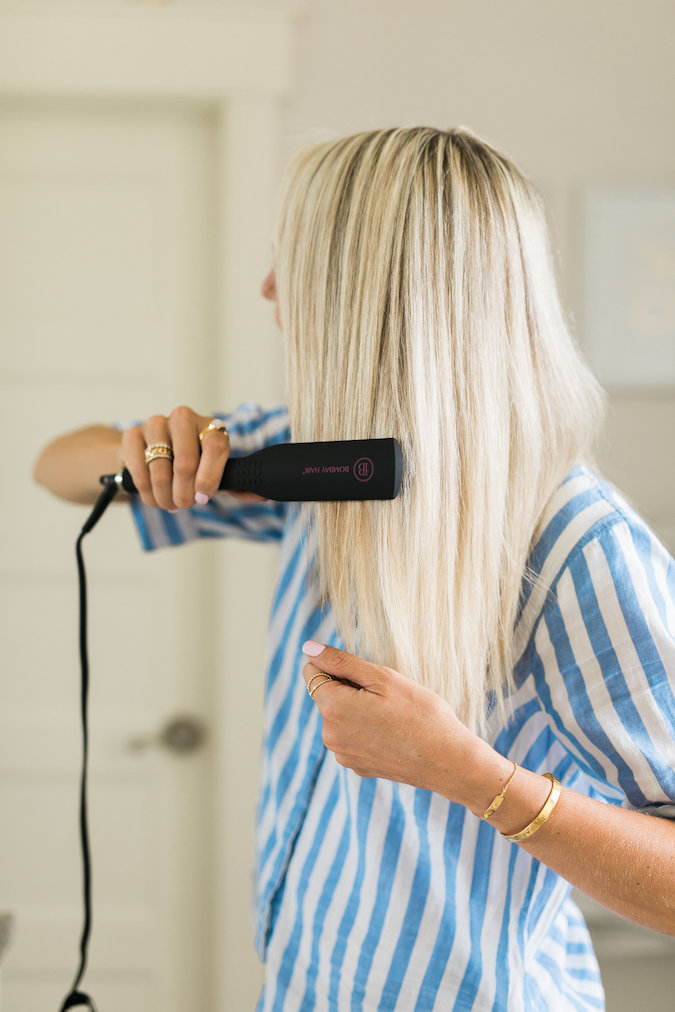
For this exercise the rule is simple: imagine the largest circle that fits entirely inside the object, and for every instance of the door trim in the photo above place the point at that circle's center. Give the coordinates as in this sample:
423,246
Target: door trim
236,64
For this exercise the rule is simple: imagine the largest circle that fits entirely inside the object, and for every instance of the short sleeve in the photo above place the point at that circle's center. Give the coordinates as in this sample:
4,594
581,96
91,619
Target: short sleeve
251,427
603,659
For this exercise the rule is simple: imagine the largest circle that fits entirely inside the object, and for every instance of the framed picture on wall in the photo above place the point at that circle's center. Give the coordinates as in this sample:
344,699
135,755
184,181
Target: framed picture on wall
629,285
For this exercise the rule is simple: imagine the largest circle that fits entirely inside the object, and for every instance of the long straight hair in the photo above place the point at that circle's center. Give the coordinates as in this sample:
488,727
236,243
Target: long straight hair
418,299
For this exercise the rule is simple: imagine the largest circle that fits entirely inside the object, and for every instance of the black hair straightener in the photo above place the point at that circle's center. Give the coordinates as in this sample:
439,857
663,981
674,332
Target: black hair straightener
310,472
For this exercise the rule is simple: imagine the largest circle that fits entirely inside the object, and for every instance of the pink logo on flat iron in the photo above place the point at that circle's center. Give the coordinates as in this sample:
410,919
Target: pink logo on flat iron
364,469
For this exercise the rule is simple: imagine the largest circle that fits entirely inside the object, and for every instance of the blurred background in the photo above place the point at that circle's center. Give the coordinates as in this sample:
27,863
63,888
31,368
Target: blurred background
141,146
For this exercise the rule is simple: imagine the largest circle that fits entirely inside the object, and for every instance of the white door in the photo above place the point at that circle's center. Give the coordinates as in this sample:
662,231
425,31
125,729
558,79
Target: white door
106,313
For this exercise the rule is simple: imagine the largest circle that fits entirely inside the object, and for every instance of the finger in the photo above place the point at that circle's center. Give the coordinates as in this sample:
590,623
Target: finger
316,679
184,426
346,666
215,451
324,689
310,671
132,456
160,471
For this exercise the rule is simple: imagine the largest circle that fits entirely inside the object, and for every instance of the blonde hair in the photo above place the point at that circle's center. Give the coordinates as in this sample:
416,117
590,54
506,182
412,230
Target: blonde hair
418,299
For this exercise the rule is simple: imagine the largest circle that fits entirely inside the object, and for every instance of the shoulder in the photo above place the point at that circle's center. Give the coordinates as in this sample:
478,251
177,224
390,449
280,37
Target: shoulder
592,545
597,642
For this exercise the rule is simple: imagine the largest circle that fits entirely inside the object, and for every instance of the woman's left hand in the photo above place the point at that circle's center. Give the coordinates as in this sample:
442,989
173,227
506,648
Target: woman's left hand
381,724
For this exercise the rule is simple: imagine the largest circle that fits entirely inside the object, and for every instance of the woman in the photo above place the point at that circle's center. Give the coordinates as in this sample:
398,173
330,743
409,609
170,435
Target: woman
504,624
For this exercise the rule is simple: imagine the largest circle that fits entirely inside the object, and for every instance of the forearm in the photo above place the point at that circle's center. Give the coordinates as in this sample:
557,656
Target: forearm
623,859
71,465
380,723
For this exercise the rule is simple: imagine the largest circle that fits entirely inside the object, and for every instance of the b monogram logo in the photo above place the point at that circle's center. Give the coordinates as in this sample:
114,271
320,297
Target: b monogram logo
364,469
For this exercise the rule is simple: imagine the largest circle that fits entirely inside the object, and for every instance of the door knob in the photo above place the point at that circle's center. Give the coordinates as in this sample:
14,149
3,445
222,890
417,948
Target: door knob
181,734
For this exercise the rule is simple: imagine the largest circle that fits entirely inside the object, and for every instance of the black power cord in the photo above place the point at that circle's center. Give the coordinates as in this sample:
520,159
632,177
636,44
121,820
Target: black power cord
75,997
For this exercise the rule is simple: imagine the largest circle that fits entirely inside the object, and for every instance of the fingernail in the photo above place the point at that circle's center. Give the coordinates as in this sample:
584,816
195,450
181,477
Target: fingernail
201,498
172,511
312,649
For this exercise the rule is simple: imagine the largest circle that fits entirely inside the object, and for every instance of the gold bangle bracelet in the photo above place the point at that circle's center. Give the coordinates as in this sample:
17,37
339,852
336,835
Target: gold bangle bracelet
492,808
540,819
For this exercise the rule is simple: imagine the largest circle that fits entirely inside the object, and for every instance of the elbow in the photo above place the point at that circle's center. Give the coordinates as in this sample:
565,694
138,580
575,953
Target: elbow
47,469
40,470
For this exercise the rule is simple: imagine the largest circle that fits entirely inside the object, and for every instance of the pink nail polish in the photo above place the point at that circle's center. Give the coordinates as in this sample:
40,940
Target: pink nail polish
201,498
312,648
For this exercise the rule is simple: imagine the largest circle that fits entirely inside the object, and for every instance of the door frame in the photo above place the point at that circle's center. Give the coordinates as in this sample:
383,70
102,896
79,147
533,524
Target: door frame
235,63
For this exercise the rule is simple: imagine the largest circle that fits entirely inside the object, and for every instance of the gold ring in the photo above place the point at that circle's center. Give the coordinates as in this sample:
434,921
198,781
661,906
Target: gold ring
319,674
157,451
215,425
326,678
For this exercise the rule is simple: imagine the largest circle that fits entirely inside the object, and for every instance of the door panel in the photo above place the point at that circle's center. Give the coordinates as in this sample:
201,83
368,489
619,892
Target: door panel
106,313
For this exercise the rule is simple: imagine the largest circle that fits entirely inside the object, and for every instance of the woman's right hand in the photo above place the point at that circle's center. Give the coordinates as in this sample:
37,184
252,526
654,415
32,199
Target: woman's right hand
197,466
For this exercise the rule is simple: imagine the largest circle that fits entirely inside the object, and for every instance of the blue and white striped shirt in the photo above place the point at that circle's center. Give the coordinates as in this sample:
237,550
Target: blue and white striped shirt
373,895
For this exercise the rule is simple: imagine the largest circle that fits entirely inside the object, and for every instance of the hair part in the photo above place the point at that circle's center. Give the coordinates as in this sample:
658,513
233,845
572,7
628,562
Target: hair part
418,299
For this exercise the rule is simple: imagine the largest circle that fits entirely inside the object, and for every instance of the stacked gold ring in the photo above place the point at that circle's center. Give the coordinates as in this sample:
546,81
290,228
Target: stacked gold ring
320,674
158,451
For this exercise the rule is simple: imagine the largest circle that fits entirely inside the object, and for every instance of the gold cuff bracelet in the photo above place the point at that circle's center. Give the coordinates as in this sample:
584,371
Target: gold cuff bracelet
539,820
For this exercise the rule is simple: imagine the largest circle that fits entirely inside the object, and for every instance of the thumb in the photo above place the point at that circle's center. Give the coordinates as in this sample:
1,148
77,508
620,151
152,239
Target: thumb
347,667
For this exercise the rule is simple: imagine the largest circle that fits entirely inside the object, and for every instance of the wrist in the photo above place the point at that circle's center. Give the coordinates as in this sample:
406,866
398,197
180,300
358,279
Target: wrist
475,773
485,774
531,791
470,772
